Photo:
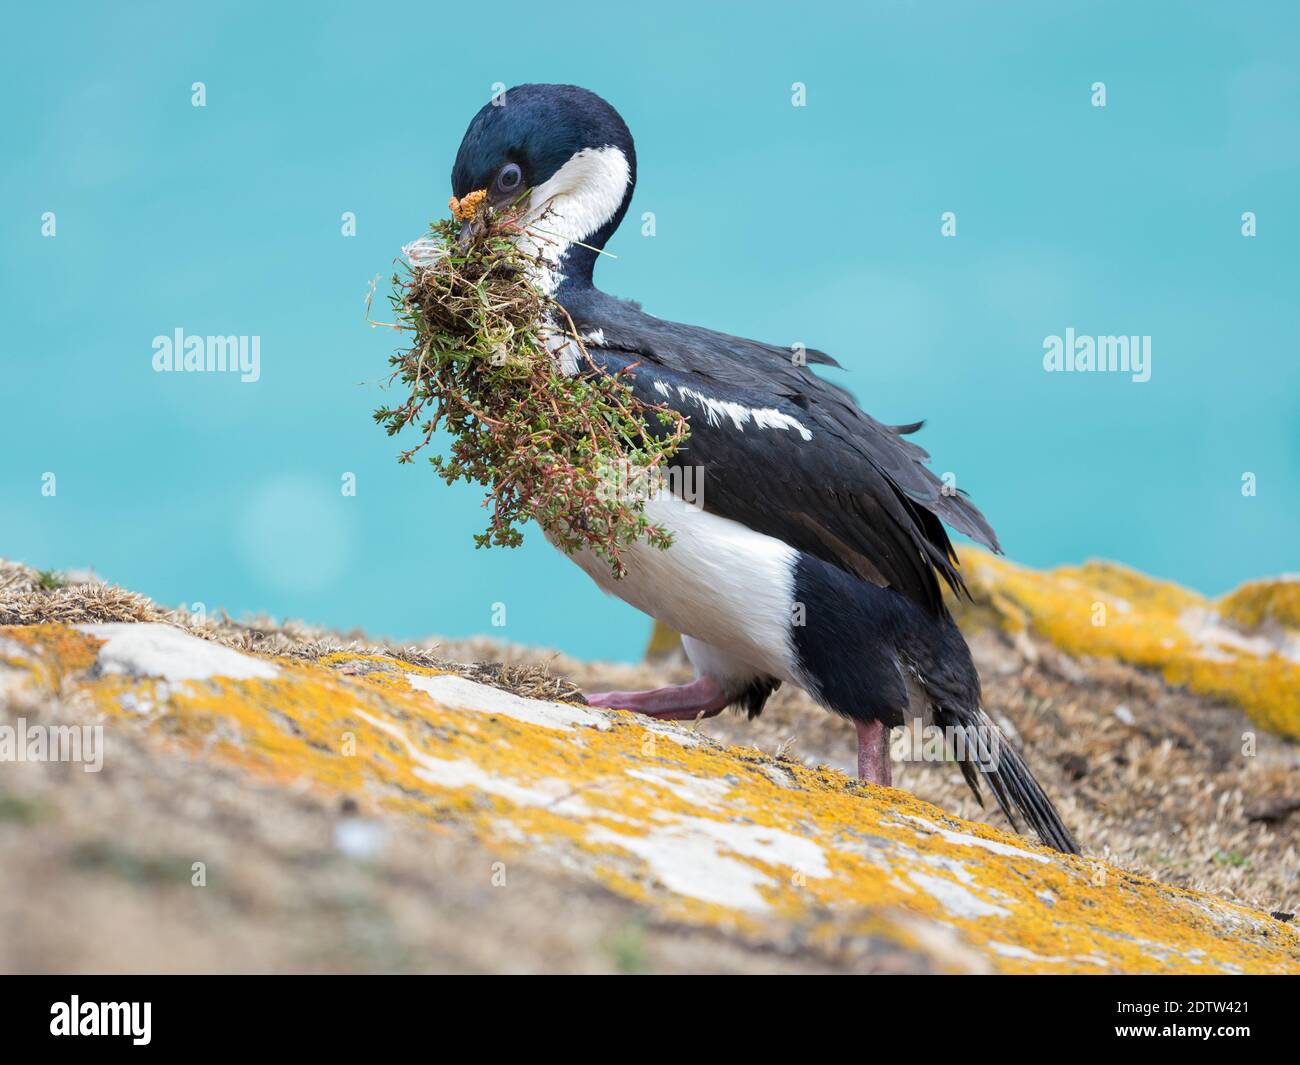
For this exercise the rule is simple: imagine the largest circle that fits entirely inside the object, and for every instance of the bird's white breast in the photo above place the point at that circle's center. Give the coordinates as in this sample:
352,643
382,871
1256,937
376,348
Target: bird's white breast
720,582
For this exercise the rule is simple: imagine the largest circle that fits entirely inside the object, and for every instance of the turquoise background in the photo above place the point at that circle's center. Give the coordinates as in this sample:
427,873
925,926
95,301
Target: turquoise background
818,224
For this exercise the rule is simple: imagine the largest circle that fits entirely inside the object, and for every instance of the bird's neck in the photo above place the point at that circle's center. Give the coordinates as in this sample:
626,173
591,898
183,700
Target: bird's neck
573,214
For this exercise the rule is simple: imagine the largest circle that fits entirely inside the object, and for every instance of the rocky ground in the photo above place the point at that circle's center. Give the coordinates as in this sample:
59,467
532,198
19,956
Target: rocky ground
310,804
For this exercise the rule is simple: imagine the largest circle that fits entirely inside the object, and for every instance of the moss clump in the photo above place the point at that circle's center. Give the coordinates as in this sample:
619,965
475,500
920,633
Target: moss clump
1255,604
499,366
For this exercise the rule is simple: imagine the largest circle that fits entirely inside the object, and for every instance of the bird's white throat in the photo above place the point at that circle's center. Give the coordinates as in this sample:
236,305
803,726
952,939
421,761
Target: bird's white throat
571,206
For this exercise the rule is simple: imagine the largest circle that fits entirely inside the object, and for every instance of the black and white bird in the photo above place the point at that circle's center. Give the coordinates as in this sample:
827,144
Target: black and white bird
814,554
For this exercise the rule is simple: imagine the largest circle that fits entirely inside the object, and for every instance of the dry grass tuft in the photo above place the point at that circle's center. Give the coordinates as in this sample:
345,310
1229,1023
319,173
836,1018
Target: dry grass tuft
23,601
78,604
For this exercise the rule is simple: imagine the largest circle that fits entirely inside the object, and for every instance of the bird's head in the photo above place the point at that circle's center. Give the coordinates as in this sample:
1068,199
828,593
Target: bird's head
567,156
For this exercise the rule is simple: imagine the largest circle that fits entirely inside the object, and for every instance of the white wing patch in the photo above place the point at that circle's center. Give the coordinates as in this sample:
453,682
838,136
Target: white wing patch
763,417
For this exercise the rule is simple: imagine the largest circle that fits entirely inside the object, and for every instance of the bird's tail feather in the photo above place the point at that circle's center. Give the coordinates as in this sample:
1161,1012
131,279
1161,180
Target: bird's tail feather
989,754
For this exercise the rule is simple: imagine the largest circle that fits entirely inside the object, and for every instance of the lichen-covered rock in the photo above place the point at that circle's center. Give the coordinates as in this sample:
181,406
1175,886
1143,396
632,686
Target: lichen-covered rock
1243,650
1265,606
690,831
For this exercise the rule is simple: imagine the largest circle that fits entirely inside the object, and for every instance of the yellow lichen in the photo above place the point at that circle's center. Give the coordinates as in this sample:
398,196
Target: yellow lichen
610,793
1102,609
57,651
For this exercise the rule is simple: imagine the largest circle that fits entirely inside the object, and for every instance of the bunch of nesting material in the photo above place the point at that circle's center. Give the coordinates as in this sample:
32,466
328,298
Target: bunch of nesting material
498,365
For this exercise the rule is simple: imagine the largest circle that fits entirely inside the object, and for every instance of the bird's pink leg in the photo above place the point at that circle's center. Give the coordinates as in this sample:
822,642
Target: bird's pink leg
685,702
873,753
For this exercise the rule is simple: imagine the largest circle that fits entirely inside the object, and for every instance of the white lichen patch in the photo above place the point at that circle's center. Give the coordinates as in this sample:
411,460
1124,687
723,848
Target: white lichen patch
13,649
461,694
679,734
703,859
15,671
956,899
778,775
1227,916
967,840
1010,950
145,705
1219,641
700,792
458,773
152,649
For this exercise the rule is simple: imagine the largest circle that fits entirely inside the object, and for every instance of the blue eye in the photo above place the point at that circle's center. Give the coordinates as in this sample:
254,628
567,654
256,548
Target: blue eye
509,177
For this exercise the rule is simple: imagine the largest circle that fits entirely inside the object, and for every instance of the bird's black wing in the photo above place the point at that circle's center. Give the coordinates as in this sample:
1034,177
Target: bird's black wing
810,467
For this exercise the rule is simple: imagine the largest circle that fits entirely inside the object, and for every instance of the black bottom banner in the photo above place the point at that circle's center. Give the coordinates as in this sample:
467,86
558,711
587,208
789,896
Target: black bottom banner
335,1013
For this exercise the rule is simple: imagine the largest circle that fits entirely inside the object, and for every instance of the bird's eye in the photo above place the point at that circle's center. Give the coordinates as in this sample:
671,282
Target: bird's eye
509,177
